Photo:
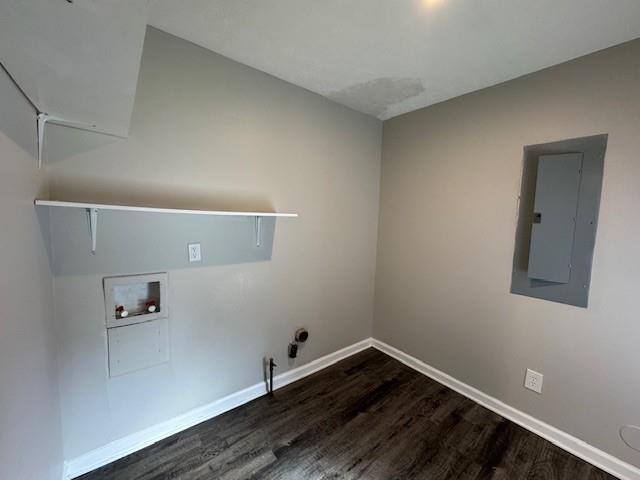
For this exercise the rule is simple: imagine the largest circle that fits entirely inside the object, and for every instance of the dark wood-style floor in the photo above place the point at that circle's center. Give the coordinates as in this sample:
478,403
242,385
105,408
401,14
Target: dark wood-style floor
367,417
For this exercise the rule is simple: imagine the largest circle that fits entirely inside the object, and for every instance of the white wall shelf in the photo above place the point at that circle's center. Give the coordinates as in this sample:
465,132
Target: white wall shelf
92,210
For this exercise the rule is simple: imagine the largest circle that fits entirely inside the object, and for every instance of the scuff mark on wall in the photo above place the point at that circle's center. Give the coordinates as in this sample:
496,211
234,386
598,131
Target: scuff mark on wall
376,96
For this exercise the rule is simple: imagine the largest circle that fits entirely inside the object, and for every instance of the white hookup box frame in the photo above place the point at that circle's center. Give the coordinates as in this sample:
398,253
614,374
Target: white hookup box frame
134,293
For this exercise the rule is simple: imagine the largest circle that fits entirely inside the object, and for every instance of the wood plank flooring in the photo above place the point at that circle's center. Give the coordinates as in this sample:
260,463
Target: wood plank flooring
366,417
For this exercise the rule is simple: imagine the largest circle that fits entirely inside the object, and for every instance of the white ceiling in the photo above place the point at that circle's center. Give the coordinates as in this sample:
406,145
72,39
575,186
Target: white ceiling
79,60
387,57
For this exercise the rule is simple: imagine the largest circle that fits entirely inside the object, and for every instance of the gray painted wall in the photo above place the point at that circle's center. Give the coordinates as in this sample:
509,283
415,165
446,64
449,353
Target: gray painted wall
450,180
143,242
209,132
30,432
76,61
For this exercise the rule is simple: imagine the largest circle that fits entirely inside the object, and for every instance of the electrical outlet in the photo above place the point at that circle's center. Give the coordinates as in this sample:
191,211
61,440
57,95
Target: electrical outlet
533,381
195,254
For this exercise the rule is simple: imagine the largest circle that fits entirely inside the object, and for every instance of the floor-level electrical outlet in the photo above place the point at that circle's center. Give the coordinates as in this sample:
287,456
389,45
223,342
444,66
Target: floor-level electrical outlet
533,381
195,255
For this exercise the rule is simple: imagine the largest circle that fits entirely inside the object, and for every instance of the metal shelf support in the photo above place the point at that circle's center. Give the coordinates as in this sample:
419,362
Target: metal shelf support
258,229
92,216
43,118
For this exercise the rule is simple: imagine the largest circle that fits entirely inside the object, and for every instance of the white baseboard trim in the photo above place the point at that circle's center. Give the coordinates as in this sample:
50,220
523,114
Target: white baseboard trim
571,444
124,446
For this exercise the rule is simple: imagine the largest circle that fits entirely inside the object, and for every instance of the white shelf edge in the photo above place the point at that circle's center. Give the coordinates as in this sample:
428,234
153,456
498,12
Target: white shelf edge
133,208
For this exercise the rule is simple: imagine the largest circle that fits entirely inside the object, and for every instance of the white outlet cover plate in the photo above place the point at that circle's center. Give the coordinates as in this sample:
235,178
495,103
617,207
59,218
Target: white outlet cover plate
195,254
533,380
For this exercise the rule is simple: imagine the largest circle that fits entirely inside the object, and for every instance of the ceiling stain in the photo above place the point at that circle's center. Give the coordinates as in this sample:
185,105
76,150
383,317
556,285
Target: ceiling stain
376,96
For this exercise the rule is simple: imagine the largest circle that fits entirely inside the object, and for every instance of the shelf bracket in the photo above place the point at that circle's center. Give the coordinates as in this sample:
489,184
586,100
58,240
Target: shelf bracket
258,229
42,122
92,216
44,118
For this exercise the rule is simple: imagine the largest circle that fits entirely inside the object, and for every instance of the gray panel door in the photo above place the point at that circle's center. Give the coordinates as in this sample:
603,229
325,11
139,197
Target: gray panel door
555,208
